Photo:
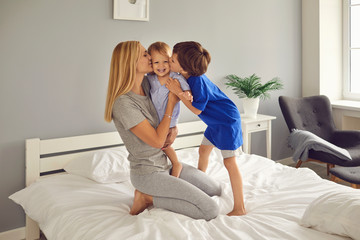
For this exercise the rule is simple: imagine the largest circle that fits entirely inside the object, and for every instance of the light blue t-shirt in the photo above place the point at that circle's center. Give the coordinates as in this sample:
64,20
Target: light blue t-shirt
218,112
159,95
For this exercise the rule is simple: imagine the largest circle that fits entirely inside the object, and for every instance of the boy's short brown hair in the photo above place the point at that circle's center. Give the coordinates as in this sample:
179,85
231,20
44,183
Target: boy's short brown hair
192,57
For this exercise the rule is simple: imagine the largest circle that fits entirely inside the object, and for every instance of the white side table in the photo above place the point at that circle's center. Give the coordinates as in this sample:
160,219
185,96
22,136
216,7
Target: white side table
250,125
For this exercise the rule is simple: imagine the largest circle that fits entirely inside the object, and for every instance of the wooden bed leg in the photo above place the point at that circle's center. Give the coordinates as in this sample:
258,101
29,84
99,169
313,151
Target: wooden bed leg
298,164
32,229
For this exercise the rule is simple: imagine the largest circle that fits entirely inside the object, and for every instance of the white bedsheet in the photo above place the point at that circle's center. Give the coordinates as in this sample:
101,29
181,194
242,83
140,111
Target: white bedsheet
276,197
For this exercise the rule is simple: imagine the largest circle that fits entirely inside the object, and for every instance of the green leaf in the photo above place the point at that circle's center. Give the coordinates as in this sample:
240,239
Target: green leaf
251,86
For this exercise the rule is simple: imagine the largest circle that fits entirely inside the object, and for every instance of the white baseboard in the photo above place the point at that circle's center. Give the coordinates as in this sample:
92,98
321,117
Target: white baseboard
15,234
286,161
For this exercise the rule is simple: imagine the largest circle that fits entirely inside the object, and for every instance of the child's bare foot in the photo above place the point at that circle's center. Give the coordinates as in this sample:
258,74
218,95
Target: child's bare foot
237,212
141,202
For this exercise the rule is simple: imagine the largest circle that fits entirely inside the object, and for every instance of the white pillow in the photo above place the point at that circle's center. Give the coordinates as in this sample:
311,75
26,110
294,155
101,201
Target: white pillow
104,166
335,213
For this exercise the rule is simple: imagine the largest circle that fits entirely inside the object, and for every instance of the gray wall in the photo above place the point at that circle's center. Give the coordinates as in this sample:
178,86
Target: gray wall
55,55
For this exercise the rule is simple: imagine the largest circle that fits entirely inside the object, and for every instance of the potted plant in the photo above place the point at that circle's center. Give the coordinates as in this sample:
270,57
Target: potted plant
251,90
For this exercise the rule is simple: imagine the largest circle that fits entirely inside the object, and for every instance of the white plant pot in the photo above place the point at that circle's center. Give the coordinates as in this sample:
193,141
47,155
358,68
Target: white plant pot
251,106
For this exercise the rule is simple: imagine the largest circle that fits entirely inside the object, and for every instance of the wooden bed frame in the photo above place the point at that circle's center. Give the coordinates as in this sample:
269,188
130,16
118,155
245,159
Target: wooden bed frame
46,157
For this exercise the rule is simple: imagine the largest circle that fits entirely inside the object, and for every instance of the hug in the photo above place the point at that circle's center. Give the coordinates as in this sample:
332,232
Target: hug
144,90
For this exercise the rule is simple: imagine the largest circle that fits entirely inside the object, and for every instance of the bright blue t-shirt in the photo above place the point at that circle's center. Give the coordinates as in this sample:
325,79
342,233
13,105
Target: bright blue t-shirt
219,113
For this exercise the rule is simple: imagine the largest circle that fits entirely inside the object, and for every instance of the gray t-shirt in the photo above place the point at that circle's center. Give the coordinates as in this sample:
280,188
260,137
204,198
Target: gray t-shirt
128,111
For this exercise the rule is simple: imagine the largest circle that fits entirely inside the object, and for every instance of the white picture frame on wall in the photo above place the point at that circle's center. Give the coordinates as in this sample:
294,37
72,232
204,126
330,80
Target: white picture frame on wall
133,10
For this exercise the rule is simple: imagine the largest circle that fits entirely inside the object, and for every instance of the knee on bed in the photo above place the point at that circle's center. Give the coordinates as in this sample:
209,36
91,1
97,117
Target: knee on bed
214,189
212,211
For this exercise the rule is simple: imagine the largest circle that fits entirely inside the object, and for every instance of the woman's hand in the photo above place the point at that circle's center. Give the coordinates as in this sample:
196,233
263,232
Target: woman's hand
173,99
176,169
174,86
158,138
173,132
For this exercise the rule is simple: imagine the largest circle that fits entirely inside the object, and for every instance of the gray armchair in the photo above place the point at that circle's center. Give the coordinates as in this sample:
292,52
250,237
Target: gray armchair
314,114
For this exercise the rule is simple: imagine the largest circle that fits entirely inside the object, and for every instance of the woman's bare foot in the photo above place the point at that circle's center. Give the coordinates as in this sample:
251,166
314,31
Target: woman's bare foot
141,202
237,212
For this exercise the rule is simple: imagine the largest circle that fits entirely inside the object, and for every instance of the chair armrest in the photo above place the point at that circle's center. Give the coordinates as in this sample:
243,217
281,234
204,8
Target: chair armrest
346,138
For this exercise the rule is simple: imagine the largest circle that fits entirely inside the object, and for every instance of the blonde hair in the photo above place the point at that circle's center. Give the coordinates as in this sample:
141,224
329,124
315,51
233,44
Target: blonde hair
122,73
160,47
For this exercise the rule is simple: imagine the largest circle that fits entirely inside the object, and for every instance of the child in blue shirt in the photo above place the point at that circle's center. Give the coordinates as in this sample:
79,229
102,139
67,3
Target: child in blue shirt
214,108
160,54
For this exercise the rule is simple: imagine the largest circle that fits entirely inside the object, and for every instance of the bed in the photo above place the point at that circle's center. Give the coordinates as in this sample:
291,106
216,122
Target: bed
92,198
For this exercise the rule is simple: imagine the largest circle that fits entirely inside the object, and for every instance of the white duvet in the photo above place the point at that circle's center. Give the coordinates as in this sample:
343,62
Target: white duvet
73,207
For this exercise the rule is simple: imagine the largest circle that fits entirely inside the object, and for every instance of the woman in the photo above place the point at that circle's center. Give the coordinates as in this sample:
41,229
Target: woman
128,104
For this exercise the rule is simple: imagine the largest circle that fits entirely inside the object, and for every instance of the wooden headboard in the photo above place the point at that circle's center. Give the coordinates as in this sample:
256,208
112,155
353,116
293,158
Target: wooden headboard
49,156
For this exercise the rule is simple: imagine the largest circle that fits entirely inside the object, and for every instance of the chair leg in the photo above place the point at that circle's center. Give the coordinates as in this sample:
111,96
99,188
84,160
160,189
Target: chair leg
328,166
298,164
334,179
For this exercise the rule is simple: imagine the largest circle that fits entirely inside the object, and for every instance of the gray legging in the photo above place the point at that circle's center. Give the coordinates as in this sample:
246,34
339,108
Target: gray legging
190,194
